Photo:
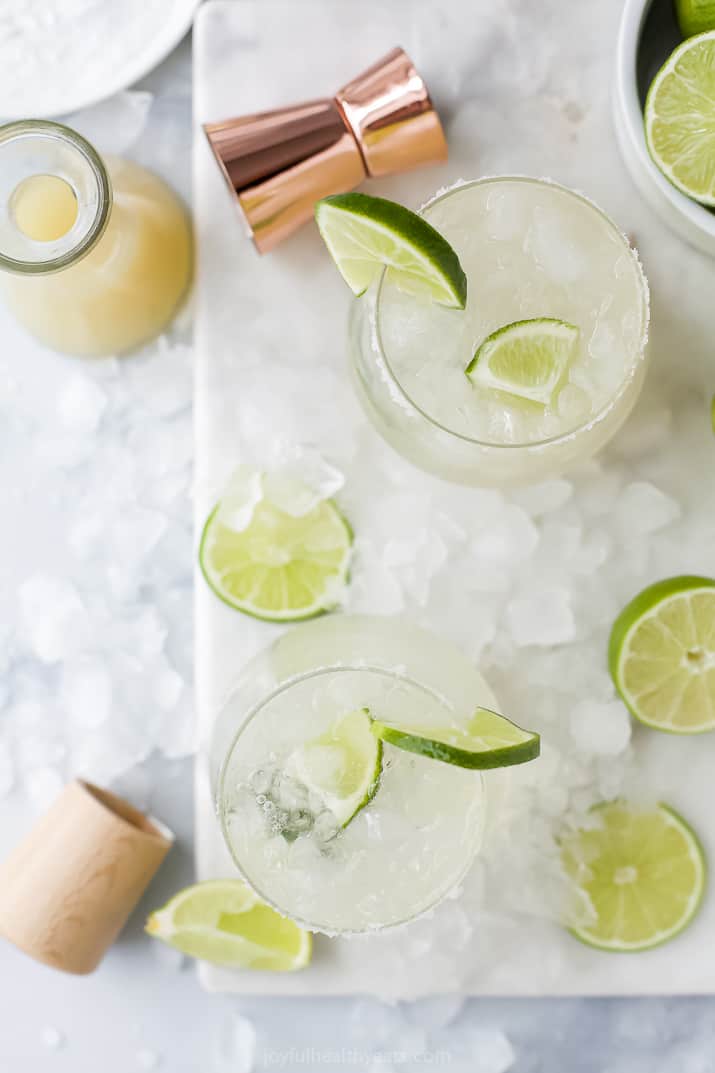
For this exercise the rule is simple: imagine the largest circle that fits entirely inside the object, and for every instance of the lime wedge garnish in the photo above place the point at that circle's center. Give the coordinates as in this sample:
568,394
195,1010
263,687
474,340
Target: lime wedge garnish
695,16
366,234
342,766
224,922
643,871
528,358
680,118
487,741
662,655
279,567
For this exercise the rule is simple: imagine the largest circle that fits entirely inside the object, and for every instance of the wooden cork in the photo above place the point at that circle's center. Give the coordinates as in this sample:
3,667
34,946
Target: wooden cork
67,889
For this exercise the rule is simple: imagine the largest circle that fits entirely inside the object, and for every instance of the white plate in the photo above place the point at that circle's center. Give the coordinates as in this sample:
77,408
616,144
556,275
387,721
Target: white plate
39,78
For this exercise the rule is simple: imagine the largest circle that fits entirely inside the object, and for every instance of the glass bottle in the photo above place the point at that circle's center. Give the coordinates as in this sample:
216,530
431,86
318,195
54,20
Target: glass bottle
95,254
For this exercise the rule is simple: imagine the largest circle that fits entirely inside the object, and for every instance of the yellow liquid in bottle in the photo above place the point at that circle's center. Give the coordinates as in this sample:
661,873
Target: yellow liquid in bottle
127,288
44,207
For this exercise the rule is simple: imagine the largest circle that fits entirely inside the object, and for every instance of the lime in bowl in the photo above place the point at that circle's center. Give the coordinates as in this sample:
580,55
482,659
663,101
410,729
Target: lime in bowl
498,336
347,771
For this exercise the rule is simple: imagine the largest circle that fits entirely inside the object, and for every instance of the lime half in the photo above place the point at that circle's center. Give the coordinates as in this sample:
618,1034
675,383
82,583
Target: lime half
224,922
695,16
366,234
279,567
662,655
487,741
643,871
528,358
342,766
680,118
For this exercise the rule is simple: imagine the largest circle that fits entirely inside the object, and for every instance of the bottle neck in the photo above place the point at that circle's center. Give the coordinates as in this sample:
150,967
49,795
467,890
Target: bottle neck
55,197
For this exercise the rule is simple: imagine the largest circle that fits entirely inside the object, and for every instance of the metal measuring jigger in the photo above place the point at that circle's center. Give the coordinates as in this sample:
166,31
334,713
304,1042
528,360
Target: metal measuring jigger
280,163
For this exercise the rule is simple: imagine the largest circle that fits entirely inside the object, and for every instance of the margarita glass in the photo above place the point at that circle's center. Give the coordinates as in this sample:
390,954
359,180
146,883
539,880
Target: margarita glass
530,249
414,840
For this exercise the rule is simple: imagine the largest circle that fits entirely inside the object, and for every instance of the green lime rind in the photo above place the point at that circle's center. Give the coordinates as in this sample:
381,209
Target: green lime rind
348,786
642,614
657,865
224,922
528,359
366,234
695,16
336,575
679,118
516,746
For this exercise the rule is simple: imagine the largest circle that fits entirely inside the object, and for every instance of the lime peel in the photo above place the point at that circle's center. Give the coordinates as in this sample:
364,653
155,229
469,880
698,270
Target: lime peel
661,655
224,922
366,234
489,740
528,359
680,118
351,783
279,567
643,871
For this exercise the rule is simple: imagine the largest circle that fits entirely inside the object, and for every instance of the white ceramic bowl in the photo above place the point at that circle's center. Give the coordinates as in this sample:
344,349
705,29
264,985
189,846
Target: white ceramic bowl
647,36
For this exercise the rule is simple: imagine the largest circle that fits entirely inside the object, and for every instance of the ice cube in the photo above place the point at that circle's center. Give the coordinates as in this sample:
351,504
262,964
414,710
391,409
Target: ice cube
543,498
437,1011
491,1051
240,498
148,1059
52,1038
161,382
80,404
54,622
509,539
553,249
235,1046
134,535
543,617
373,1023
642,508
603,729
86,693
300,479
85,535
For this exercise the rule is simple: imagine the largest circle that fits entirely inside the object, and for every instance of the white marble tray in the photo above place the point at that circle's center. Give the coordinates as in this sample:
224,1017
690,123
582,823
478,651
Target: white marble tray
523,88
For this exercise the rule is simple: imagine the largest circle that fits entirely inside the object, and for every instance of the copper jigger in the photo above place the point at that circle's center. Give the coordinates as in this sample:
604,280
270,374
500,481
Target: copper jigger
280,163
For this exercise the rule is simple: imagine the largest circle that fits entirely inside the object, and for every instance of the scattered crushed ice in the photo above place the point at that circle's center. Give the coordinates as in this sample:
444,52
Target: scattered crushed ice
148,1059
436,1012
491,1051
81,404
52,1038
642,508
544,618
600,729
235,1045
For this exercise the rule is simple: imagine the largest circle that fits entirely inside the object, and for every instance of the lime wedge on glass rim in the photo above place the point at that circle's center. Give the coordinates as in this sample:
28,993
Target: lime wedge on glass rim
680,118
487,741
695,16
342,766
366,234
528,358
224,922
644,872
662,655
279,567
